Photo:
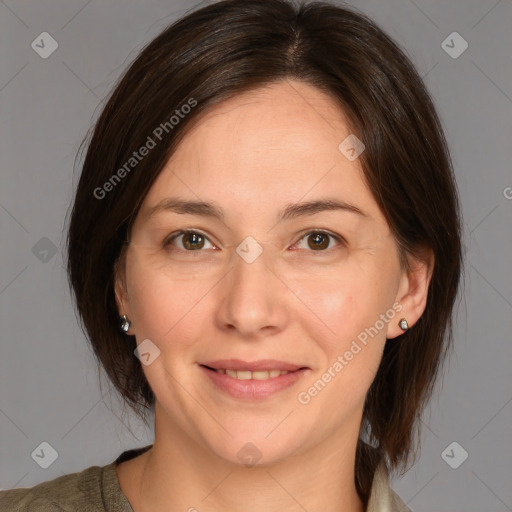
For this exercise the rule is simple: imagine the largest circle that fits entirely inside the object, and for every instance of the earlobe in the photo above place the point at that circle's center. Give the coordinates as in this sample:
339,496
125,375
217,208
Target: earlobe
124,324
412,293
403,324
120,288
122,302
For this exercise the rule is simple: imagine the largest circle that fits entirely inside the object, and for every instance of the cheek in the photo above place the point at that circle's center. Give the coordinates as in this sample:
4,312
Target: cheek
169,312
164,306
345,302
346,309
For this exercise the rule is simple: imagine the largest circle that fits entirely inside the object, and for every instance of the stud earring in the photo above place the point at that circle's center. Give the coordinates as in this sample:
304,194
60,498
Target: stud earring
403,324
125,323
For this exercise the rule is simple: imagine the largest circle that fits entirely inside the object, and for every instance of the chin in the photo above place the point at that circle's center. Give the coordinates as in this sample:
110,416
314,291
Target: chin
256,451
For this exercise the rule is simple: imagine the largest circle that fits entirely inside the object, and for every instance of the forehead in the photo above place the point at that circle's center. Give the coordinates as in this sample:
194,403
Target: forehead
267,147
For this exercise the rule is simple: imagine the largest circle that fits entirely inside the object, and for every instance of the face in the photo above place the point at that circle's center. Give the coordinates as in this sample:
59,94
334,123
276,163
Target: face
258,282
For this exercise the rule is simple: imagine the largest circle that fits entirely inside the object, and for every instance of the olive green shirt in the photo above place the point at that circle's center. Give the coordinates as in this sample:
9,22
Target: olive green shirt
97,489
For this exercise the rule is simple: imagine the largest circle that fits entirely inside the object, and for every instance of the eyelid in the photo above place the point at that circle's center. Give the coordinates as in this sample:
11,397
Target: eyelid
310,231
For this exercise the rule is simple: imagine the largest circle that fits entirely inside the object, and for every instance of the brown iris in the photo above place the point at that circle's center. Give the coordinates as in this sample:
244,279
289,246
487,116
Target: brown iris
193,241
317,244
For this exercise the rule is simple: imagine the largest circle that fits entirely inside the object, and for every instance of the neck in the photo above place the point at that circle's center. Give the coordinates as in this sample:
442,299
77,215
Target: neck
179,474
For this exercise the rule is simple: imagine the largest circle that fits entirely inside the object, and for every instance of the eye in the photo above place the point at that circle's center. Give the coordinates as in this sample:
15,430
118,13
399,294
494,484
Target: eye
319,241
194,241
191,241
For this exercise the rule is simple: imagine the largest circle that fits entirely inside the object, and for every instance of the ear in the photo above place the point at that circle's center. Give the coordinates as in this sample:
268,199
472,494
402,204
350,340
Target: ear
412,291
120,289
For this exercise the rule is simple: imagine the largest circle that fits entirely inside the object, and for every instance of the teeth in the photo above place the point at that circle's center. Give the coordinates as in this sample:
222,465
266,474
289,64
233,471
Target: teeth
246,374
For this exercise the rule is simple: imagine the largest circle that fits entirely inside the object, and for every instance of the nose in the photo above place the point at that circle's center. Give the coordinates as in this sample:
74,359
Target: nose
255,301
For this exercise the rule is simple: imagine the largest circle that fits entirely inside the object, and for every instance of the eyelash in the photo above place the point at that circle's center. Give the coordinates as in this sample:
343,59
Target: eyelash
172,237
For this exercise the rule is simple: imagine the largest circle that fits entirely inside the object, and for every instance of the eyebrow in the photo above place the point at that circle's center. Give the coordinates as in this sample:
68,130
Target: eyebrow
290,211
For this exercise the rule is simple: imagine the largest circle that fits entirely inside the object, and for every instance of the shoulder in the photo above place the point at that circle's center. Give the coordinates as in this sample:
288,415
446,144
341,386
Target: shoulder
76,491
95,489
383,498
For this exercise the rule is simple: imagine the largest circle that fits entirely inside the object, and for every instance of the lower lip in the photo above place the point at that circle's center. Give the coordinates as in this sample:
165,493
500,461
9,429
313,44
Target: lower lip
253,389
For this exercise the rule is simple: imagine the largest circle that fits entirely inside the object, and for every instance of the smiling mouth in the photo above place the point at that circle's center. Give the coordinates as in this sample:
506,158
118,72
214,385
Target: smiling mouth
248,375
256,380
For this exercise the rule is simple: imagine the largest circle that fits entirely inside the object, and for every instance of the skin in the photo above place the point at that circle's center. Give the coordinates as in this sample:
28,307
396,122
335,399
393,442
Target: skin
253,155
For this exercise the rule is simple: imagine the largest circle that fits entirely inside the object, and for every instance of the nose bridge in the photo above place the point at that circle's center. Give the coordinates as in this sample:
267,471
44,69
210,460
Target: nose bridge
253,299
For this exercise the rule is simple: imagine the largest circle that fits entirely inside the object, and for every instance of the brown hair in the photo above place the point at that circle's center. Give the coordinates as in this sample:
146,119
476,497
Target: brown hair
232,46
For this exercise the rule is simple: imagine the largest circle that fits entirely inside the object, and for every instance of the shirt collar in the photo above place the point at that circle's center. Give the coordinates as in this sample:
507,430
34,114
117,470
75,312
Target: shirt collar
382,497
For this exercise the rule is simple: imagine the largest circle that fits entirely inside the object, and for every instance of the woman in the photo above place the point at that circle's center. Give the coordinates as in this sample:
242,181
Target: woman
265,247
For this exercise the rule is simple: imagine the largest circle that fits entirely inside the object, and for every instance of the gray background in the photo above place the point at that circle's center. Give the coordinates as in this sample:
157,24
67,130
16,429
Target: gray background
49,387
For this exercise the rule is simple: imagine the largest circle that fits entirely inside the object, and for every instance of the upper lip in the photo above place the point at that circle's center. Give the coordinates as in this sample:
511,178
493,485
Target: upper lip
260,365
